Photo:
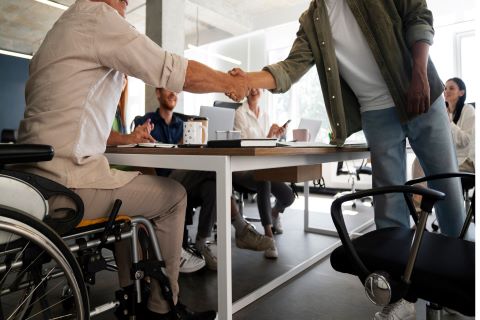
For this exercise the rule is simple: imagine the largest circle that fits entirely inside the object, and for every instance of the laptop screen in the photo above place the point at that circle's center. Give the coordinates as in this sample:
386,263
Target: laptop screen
312,125
219,119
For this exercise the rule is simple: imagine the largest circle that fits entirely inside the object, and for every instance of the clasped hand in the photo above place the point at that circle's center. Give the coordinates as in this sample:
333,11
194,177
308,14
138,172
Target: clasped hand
240,87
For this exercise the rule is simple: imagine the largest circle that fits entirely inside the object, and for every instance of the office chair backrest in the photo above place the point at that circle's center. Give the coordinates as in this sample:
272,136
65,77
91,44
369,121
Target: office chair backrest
9,135
226,104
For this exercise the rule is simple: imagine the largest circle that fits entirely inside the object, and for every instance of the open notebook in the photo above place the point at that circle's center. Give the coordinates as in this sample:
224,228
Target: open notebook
148,145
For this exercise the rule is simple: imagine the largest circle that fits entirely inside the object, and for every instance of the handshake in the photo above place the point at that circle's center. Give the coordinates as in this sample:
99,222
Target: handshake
239,84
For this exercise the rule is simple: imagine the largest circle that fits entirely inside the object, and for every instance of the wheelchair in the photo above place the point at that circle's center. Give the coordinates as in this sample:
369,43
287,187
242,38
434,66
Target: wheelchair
401,263
48,258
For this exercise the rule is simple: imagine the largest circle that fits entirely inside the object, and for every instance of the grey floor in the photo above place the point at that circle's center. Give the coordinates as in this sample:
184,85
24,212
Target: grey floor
318,293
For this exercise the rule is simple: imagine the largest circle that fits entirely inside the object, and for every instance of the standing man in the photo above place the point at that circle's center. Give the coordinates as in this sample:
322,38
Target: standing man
373,65
71,96
200,185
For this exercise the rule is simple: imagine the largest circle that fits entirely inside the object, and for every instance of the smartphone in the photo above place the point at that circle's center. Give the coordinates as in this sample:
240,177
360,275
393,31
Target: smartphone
286,123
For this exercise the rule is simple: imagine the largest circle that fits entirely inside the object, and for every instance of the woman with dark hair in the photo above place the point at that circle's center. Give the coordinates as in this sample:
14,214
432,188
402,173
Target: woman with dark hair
462,123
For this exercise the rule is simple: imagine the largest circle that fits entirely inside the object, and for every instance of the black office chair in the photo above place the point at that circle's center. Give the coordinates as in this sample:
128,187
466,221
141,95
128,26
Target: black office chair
468,184
8,135
395,263
354,173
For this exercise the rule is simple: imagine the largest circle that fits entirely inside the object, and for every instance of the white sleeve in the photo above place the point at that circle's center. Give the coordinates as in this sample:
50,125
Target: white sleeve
240,123
121,47
464,131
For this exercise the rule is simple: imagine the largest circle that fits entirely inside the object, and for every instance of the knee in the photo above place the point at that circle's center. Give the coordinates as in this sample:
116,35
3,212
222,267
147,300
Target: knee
178,193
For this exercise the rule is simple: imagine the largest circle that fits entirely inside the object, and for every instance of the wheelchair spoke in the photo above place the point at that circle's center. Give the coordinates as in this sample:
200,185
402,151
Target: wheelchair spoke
16,259
31,293
50,307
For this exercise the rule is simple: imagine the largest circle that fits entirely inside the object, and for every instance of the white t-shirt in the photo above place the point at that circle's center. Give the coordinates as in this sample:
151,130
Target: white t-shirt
355,59
74,87
250,126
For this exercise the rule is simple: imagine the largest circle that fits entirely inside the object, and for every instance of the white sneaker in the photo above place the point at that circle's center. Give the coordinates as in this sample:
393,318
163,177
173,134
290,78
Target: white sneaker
277,227
401,310
190,262
271,253
209,253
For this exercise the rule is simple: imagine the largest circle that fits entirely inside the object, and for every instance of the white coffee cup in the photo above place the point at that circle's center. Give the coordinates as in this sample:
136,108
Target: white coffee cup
301,135
193,132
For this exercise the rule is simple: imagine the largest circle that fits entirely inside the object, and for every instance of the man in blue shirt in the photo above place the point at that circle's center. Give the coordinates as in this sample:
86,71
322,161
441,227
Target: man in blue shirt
200,185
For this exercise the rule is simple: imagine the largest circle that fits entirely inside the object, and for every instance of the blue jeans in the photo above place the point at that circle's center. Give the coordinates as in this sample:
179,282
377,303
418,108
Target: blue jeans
431,140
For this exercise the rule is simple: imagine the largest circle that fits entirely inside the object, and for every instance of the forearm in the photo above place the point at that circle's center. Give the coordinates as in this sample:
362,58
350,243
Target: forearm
261,79
202,79
116,138
420,56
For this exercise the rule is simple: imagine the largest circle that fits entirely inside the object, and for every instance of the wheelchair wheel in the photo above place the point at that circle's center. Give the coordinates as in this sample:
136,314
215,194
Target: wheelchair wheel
36,267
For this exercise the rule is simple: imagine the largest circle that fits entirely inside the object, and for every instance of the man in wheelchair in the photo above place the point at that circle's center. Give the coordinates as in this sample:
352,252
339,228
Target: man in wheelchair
71,97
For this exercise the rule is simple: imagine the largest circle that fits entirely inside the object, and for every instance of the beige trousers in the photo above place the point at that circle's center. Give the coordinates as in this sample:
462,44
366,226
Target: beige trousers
159,199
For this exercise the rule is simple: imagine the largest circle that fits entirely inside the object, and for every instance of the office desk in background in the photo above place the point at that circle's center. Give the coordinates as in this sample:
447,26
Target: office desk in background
223,162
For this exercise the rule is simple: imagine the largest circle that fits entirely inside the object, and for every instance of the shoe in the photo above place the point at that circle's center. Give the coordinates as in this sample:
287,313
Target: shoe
189,262
209,253
249,238
277,227
452,312
401,310
183,314
271,253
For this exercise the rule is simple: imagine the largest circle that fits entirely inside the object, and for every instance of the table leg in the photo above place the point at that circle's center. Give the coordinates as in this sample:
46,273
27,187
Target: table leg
224,254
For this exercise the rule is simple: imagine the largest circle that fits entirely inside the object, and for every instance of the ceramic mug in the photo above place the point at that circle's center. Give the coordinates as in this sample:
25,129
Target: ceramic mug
193,132
204,124
301,135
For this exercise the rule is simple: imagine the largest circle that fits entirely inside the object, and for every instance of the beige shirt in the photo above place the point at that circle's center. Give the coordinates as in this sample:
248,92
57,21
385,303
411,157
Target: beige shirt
250,126
74,87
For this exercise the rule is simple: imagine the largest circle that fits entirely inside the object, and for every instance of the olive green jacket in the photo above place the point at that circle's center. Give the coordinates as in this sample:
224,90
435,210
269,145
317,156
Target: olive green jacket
390,27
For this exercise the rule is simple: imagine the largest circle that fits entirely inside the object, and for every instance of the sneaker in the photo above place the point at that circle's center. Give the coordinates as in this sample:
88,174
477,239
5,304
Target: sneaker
272,252
183,314
249,238
189,262
209,253
277,227
401,310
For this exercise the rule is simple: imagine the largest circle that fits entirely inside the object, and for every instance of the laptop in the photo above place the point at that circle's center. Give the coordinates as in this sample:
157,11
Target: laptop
312,125
219,119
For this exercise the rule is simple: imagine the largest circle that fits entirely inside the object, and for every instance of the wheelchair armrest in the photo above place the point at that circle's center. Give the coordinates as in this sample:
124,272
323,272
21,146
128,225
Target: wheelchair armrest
20,153
430,197
48,189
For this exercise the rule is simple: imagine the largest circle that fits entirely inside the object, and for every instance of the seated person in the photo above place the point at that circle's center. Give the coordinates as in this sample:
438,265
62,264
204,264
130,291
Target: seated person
253,123
462,125
71,97
168,128
189,262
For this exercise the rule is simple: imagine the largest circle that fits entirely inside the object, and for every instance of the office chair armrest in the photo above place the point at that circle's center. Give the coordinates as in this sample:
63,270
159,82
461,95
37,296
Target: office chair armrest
439,176
429,198
447,175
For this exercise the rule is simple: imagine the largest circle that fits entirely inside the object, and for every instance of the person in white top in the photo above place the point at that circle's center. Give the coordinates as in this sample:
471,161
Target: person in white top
71,97
253,123
462,123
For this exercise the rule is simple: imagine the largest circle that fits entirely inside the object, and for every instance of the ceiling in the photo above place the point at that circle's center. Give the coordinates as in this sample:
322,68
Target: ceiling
24,23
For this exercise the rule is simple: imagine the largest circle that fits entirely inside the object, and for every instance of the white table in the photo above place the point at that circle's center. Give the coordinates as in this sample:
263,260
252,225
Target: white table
223,162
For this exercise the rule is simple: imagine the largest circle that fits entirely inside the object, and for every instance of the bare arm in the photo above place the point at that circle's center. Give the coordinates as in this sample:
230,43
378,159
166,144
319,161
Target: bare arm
418,95
140,134
201,79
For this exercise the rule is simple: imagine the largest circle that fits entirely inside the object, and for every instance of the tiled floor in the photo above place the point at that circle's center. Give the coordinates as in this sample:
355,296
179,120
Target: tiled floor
319,293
